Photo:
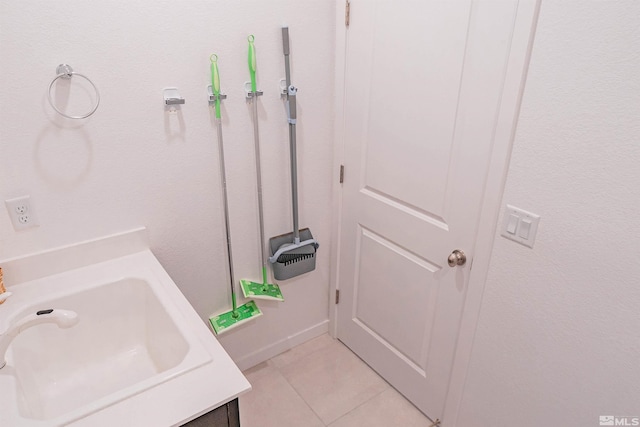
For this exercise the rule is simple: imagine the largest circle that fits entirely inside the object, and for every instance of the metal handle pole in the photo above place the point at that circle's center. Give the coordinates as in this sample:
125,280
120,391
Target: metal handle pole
294,183
223,177
256,140
292,117
285,50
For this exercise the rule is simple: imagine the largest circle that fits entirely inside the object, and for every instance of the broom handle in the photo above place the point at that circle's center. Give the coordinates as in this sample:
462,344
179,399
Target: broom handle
292,116
294,183
285,49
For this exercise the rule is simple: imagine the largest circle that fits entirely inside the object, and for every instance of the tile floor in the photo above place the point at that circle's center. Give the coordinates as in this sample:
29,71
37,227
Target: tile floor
322,383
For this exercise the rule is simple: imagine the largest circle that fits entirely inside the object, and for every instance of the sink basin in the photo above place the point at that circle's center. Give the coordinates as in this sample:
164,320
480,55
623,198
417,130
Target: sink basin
125,339
139,354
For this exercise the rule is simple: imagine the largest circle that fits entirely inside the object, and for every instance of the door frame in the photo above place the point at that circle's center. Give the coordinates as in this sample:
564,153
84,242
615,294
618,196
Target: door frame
525,22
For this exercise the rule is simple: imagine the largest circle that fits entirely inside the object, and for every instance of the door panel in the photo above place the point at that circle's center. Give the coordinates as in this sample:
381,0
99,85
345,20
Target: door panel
383,264
423,84
422,40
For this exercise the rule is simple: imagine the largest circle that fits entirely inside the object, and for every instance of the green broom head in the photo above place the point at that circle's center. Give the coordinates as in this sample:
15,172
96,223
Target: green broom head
264,290
257,290
226,321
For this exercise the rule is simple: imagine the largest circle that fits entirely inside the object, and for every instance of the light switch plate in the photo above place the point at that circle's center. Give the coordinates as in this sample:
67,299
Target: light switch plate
519,225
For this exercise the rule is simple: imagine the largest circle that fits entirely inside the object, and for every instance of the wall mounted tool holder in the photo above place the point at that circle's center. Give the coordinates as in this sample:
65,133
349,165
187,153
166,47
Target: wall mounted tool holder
282,85
212,97
172,99
250,94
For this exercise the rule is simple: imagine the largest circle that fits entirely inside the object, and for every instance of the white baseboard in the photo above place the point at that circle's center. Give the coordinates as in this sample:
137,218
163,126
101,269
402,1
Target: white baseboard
263,354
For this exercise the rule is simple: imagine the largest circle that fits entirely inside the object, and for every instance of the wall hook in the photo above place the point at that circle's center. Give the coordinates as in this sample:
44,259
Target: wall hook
248,93
172,99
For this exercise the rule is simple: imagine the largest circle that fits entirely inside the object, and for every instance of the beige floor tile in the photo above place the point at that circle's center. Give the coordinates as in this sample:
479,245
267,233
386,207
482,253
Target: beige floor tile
302,350
333,381
389,408
273,402
256,372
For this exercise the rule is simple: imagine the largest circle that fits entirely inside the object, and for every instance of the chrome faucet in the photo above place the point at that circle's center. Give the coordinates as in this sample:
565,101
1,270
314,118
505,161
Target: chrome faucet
63,318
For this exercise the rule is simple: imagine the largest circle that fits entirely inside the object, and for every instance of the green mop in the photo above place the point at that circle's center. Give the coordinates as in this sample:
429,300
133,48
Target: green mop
238,315
264,290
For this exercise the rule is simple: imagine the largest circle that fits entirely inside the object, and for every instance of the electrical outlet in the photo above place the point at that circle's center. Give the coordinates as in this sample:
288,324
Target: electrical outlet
21,213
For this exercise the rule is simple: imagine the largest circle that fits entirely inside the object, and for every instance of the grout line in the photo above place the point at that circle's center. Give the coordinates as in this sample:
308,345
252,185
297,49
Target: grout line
277,370
291,385
353,409
334,341
339,343
303,399
309,354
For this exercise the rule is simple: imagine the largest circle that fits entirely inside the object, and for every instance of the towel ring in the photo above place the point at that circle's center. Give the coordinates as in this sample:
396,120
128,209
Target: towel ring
66,72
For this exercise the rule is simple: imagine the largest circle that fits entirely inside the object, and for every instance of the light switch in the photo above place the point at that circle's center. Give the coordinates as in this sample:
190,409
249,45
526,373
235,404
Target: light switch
525,228
512,225
519,225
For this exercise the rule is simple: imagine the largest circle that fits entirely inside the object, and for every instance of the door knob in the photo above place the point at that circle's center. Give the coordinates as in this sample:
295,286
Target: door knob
457,257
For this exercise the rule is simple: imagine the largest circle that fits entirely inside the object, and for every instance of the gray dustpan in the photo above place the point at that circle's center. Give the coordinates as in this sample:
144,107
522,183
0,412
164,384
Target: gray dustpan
289,259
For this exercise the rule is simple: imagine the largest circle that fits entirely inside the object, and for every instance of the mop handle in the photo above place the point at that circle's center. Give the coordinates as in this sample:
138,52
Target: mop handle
292,117
215,85
215,82
256,140
252,63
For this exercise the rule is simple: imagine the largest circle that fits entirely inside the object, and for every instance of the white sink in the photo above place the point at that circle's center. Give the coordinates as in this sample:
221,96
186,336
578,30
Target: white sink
135,338
124,340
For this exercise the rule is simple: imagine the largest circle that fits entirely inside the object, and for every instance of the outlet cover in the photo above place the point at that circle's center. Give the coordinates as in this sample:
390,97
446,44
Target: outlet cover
21,213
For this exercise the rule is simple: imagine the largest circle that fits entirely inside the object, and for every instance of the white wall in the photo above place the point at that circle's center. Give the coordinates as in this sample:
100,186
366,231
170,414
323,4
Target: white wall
131,164
557,342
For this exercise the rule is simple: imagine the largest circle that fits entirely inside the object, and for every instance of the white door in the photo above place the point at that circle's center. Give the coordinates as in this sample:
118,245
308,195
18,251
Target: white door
423,85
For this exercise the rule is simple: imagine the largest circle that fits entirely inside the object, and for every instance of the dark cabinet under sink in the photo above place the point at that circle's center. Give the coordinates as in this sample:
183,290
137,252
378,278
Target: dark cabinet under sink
227,415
